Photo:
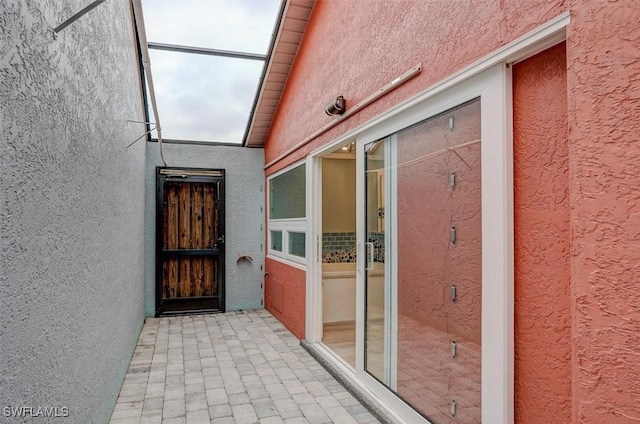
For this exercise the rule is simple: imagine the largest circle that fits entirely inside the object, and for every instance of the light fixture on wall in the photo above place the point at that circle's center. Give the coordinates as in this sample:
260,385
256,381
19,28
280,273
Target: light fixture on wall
336,107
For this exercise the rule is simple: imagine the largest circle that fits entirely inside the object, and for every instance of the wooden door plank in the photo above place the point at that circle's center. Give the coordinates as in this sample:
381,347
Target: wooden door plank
172,225
166,285
196,215
184,242
214,283
207,277
171,230
196,237
208,237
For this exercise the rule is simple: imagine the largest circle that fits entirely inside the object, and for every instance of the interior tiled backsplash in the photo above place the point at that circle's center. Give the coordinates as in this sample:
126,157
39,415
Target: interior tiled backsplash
341,247
338,247
378,246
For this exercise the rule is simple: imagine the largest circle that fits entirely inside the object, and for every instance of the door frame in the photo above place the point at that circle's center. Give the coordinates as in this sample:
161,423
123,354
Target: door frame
195,175
493,87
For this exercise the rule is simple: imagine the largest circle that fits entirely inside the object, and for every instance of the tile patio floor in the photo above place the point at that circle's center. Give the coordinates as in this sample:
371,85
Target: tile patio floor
237,367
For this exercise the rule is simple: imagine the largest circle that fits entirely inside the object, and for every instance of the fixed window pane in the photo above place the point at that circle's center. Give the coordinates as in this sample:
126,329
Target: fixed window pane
439,285
297,244
276,241
287,194
212,24
203,98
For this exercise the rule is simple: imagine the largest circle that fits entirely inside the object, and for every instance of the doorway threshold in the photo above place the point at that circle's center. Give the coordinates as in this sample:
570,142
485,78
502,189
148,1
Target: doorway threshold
166,314
346,379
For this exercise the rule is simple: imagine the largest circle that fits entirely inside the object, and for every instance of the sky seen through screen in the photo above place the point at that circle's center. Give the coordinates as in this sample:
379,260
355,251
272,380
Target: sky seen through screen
203,97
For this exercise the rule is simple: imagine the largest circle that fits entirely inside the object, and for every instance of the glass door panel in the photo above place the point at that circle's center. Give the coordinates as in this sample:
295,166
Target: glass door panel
423,282
339,253
377,321
439,265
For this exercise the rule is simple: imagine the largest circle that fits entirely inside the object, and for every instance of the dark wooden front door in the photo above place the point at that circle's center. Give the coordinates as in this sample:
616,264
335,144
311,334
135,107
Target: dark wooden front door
190,241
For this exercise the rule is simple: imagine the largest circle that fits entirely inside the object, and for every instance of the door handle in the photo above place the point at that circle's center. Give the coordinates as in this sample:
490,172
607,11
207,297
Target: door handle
220,239
369,253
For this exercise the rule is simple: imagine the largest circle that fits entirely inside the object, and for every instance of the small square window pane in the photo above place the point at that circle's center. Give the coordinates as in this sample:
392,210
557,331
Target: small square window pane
297,244
276,241
287,194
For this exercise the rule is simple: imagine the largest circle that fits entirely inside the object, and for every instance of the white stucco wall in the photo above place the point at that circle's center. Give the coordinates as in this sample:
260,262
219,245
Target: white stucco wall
71,207
244,180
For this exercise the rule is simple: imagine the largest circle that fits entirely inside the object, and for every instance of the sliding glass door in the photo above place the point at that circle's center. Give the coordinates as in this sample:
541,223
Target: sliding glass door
423,270
433,251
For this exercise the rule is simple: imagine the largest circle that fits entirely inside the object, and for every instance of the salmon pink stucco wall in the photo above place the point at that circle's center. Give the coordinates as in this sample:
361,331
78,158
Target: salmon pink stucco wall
603,78
352,48
542,241
430,263
285,296
427,208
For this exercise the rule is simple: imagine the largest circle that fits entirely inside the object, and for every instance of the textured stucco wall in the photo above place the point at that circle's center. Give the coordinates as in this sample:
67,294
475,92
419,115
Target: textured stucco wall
285,295
244,180
429,264
603,59
72,207
541,246
427,208
354,48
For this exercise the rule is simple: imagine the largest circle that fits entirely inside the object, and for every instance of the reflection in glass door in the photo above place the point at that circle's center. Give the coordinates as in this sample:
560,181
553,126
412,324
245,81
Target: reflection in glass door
423,264
378,321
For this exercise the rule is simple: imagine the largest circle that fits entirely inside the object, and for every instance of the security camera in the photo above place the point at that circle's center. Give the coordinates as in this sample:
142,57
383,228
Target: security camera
336,107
